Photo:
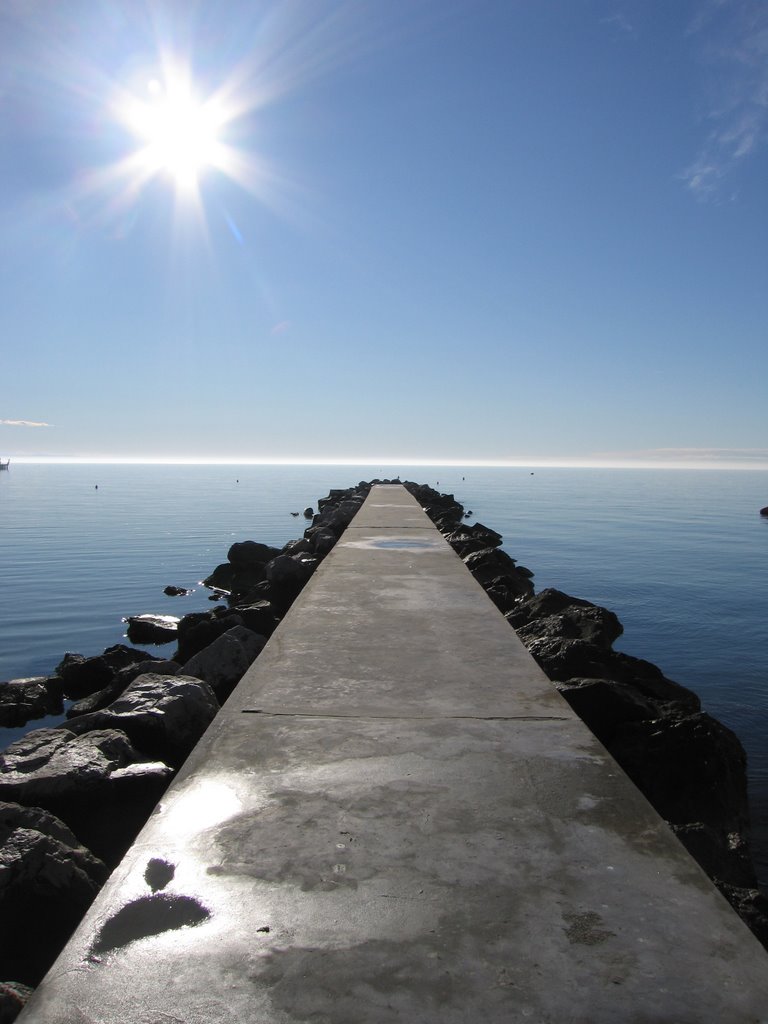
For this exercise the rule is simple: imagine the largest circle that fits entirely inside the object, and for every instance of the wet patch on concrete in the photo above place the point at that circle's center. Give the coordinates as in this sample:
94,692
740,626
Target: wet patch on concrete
147,916
158,873
397,544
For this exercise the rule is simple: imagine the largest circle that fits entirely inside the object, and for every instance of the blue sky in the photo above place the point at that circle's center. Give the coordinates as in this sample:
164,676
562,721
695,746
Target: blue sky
468,230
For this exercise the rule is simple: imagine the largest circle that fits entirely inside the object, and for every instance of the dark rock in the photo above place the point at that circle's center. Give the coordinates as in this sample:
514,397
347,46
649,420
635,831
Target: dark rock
221,577
50,767
13,999
479,532
505,591
260,617
102,698
446,519
764,511
308,512
244,580
176,591
24,699
47,882
322,540
337,519
751,905
297,547
596,625
97,783
290,572
81,676
334,496
224,662
162,715
152,629
554,602
199,629
605,705
488,563
464,544
725,856
691,768
569,659
247,554
497,572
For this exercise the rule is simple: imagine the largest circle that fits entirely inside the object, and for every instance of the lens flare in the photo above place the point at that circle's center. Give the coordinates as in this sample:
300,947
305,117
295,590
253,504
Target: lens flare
178,134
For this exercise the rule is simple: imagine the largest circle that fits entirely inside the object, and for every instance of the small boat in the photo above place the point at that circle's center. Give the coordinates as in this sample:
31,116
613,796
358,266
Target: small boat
6,464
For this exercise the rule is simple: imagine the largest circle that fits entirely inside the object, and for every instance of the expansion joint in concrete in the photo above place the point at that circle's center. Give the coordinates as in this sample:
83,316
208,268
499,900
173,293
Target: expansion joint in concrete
406,718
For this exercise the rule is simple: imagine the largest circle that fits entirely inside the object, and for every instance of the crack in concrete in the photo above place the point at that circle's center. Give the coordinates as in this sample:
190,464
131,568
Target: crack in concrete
407,718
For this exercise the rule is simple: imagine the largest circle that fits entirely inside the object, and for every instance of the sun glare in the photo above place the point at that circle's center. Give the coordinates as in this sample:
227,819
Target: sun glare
177,133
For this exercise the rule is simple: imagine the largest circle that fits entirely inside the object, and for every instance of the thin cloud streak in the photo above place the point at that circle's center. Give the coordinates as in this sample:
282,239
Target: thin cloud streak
22,423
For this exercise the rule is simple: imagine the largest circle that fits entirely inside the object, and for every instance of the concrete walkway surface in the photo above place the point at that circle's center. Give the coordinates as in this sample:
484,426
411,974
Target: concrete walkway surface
396,817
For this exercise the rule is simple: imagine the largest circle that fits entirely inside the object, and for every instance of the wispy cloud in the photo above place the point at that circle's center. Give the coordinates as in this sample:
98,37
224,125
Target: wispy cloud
733,39
282,328
22,423
621,24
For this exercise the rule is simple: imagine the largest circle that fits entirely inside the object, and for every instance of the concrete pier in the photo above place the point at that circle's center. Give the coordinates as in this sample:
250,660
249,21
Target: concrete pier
396,817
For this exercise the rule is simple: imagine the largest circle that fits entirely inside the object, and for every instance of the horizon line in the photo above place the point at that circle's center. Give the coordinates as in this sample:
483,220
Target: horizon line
389,461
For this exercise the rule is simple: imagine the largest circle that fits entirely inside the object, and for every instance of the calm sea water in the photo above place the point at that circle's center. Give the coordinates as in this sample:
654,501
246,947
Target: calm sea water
680,556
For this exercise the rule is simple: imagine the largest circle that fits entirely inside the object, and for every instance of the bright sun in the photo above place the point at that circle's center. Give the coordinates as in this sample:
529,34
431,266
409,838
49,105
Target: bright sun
177,133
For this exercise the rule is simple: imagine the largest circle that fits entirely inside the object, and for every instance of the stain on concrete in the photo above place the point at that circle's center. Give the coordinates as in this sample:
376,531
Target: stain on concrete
585,929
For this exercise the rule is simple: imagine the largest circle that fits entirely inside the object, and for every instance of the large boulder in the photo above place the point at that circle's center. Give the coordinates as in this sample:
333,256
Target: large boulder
244,568
605,705
97,783
564,659
489,563
464,543
246,554
595,625
690,766
224,662
199,629
290,572
322,540
163,715
25,699
152,629
260,617
485,533
48,879
51,768
81,676
536,617
221,578
297,547
102,698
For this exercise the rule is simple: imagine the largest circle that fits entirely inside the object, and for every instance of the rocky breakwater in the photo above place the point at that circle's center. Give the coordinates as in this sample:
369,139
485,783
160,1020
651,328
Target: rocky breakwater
689,766
74,797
